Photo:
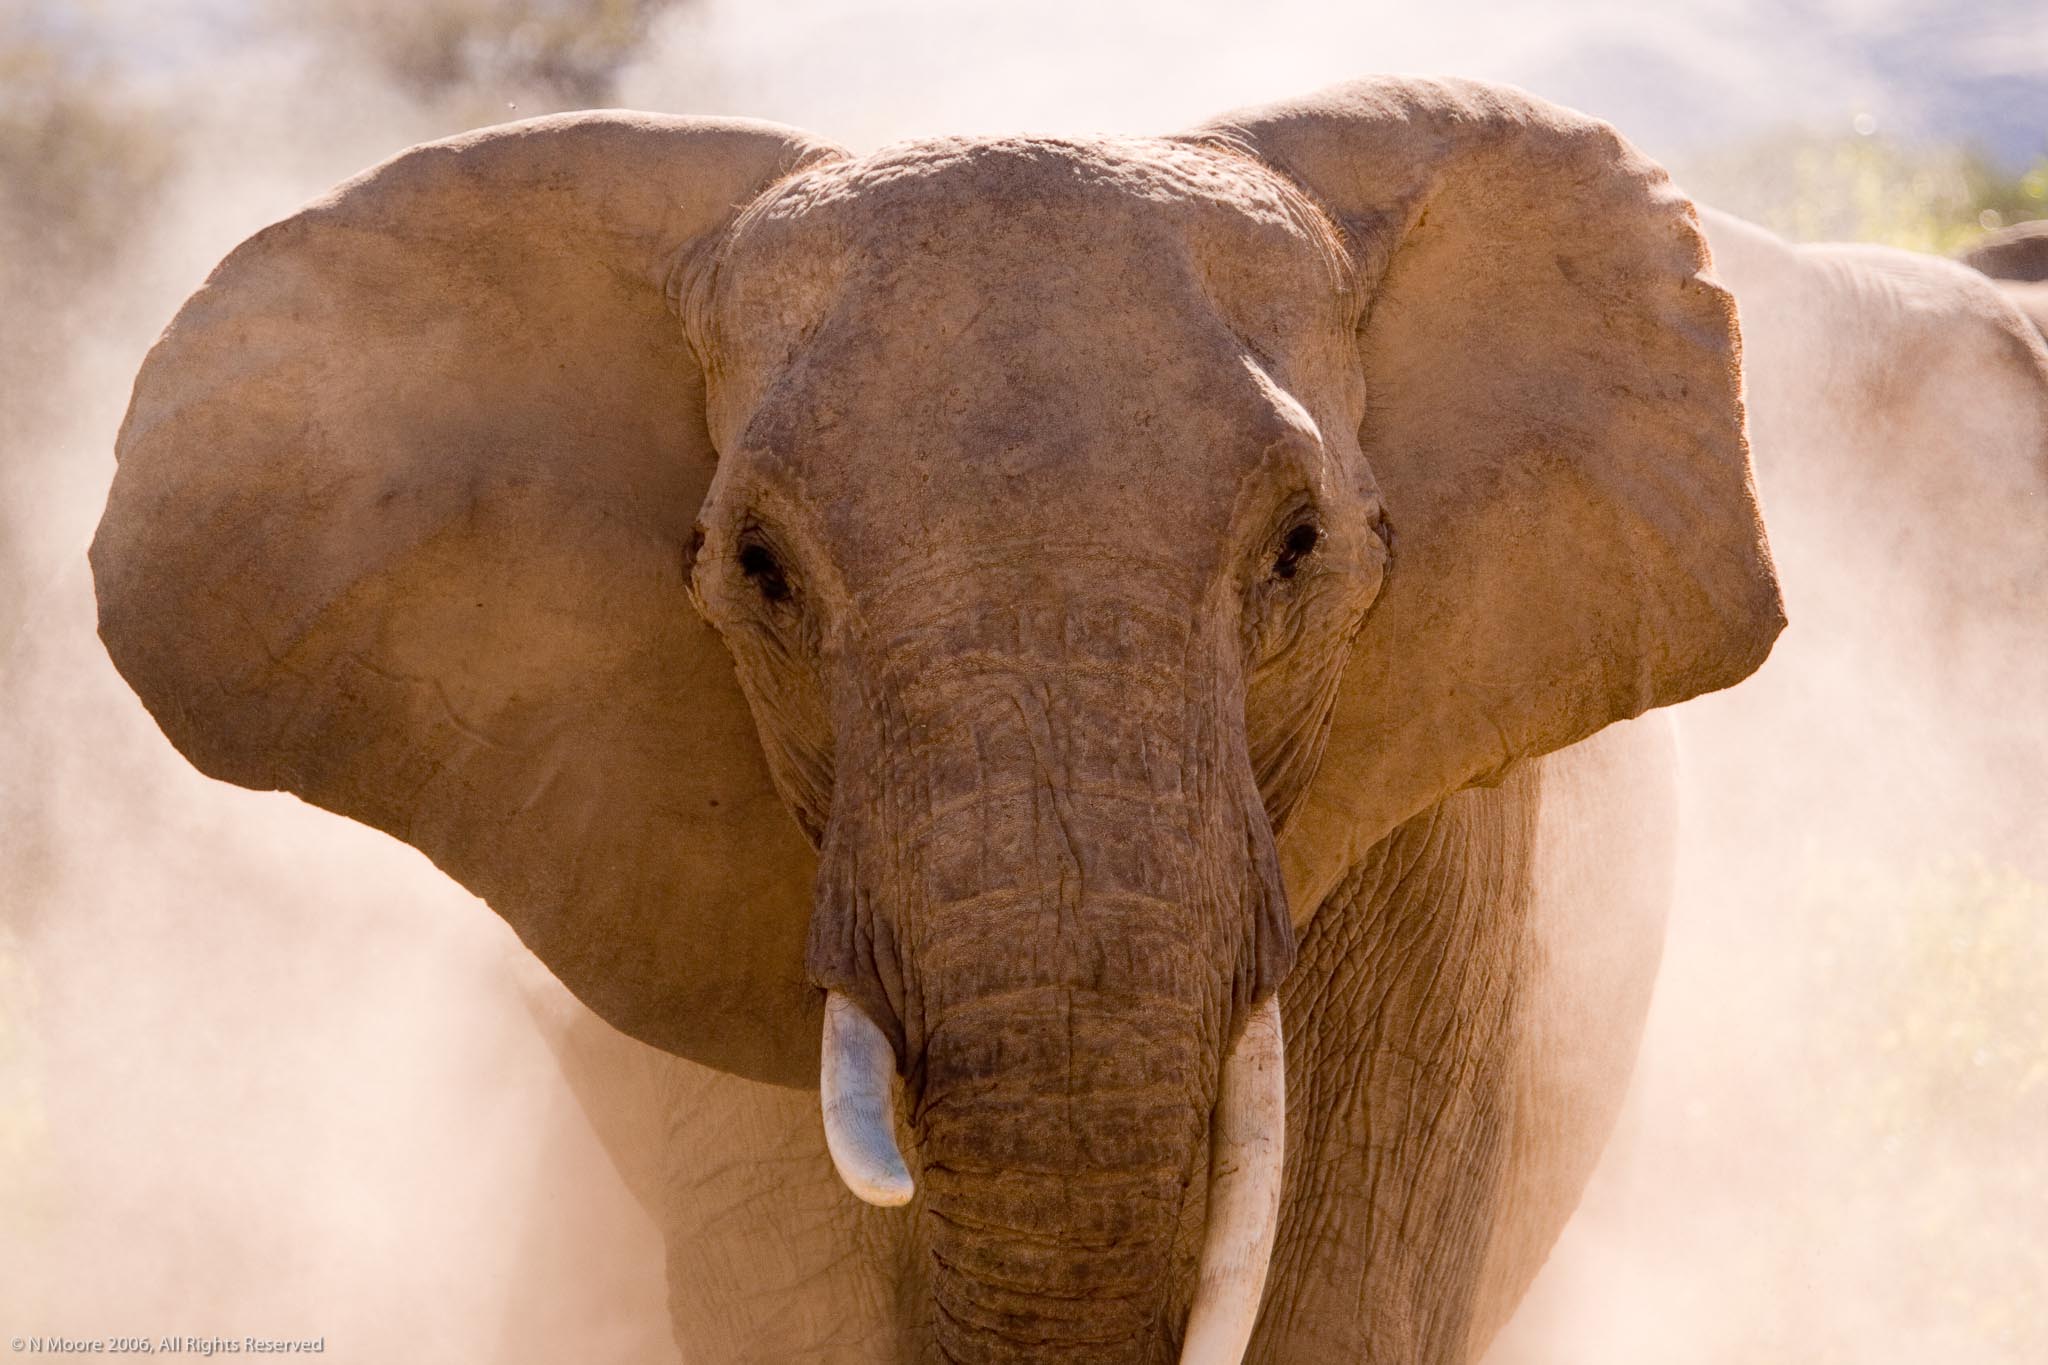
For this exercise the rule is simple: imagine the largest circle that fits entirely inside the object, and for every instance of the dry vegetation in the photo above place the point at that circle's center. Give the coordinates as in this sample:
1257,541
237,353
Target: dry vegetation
485,55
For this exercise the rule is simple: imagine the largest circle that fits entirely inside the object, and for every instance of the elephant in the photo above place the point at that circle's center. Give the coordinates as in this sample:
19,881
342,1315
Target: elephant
1074,707
1899,399
2017,257
1898,407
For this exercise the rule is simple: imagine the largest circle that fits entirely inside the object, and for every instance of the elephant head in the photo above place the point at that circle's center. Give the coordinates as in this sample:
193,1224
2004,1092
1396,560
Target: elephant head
968,604
2018,252
2017,257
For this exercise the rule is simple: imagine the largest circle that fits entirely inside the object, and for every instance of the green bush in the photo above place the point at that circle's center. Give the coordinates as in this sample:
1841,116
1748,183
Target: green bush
1854,188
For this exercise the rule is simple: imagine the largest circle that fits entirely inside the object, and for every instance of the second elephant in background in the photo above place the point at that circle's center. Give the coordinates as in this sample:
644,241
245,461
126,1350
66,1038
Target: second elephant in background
2017,257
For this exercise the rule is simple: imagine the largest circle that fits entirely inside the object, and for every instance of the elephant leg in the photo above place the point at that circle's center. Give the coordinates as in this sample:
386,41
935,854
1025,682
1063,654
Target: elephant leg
769,1257
1463,1021
1401,1064
1601,889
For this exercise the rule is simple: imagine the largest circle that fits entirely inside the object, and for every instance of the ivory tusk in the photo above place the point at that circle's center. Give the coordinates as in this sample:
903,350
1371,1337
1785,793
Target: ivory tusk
1246,1147
854,1076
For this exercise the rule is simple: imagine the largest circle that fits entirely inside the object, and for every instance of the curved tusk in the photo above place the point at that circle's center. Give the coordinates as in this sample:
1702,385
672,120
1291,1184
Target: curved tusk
854,1078
1246,1146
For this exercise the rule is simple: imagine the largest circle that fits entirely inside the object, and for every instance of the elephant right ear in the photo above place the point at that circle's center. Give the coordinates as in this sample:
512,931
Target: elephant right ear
1553,416
402,525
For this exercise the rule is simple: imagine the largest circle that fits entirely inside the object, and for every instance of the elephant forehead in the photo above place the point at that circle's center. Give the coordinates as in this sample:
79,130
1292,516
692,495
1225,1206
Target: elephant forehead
1074,245
929,197
1016,330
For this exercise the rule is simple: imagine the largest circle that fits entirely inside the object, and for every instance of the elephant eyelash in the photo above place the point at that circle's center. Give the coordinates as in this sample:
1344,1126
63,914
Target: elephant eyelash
1299,543
764,570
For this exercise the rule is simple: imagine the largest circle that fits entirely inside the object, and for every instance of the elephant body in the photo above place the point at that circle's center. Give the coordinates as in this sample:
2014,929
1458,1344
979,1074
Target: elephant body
769,1258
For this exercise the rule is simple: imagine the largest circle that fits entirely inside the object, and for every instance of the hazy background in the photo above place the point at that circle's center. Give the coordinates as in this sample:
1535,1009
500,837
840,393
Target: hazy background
262,1071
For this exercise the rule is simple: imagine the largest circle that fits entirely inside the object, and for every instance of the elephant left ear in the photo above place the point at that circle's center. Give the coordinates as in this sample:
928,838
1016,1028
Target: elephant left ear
1554,417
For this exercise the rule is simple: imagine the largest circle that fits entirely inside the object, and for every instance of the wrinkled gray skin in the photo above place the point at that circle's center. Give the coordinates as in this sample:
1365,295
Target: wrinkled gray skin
1060,596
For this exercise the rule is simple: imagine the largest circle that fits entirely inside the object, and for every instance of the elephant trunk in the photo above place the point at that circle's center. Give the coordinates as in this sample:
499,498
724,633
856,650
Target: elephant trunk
1072,926
1059,1133
1247,1145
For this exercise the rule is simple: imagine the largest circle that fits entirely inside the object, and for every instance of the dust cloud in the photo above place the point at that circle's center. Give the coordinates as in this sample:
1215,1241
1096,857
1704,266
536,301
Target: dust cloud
1834,1150
264,1072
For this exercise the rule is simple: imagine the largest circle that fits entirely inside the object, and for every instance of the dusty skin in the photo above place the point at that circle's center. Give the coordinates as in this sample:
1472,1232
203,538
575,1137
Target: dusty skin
1061,596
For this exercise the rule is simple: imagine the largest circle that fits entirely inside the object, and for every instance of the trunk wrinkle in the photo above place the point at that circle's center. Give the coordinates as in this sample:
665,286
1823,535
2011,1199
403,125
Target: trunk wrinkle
1051,809
1037,1342
1092,1292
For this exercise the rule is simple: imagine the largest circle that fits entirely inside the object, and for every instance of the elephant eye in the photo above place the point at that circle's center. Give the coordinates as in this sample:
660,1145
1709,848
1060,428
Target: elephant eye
1298,546
764,570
